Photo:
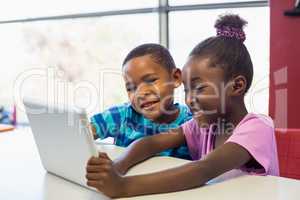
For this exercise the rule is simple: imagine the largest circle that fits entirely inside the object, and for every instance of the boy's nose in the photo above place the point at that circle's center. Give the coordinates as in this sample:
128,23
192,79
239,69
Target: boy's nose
144,91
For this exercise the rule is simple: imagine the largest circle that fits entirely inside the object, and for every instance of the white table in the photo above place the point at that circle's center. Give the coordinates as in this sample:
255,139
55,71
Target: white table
23,177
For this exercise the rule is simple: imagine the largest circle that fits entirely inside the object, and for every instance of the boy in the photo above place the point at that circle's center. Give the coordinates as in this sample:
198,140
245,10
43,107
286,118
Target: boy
150,77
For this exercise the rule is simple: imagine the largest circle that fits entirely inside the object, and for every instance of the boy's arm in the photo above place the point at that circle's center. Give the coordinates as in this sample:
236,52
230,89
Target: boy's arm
93,130
146,147
103,125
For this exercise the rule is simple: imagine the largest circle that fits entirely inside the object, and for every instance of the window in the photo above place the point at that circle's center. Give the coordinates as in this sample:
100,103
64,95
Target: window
86,52
15,9
193,2
184,36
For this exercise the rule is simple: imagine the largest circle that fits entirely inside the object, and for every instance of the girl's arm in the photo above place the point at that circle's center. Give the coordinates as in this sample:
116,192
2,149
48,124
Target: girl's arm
226,157
146,147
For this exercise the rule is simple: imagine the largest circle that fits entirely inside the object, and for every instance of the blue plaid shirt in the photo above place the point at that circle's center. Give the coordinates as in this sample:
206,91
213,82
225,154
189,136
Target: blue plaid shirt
125,125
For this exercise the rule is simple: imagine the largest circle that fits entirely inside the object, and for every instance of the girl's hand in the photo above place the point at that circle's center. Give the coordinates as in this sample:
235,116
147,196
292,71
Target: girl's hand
120,167
102,175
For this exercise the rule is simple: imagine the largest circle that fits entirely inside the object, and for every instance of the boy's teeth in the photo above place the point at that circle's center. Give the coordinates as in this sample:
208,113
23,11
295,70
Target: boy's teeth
148,104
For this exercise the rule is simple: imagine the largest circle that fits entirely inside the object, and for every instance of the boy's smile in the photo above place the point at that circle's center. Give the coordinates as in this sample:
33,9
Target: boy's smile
148,105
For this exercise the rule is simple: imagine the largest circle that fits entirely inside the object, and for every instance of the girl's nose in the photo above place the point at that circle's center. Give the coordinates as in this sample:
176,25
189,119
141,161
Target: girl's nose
191,100
188,99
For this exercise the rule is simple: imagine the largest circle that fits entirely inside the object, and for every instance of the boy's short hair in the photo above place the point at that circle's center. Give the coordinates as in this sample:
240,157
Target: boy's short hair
159,53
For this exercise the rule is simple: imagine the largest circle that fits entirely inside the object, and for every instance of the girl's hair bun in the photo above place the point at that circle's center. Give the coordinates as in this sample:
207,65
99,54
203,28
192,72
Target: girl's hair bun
231,26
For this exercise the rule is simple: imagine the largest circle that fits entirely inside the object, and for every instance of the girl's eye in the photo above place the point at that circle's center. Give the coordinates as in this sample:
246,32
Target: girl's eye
199,89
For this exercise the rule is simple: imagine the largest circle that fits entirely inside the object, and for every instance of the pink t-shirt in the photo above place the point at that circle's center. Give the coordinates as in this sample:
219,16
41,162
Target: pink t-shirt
255,133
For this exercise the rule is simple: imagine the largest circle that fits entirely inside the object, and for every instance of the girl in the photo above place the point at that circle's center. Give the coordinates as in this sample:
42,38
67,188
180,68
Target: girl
223,138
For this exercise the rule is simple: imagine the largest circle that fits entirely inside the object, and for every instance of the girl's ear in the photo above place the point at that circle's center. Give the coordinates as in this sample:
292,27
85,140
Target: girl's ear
176,76
239,85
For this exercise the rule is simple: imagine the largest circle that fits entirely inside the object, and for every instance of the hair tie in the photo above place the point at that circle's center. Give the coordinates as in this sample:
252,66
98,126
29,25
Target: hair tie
231,32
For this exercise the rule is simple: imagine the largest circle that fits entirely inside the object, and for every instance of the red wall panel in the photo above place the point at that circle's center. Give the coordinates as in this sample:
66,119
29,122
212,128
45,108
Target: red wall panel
284,103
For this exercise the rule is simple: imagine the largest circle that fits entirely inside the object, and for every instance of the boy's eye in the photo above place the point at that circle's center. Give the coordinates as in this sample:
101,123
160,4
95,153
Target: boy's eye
130,88
150,80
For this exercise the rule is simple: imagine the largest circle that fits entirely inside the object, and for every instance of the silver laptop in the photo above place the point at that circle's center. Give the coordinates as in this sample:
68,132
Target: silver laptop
64,141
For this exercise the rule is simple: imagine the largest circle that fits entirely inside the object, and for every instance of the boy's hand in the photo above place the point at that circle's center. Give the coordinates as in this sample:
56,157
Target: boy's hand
93,130
102,175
